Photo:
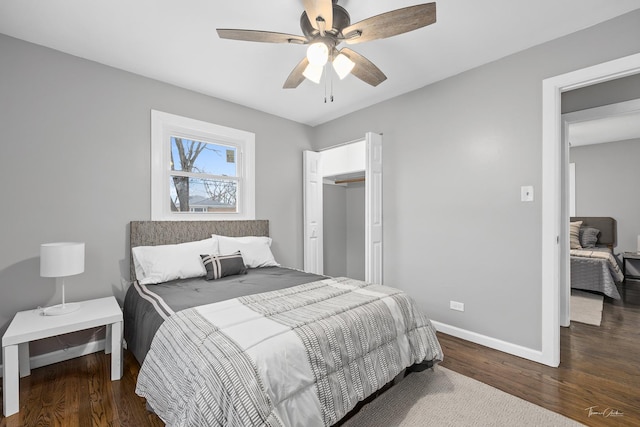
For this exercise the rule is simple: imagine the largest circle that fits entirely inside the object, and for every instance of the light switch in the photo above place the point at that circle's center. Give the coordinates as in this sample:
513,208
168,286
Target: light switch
526,193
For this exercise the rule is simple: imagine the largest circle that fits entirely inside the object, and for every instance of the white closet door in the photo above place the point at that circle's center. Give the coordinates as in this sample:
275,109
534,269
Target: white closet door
373,209
312,170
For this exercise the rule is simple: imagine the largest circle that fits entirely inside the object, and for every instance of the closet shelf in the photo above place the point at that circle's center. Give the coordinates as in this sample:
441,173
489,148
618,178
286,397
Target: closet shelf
349,181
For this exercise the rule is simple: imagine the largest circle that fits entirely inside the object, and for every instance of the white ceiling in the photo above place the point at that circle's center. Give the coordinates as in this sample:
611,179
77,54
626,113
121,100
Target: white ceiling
608,123
609,129
176,42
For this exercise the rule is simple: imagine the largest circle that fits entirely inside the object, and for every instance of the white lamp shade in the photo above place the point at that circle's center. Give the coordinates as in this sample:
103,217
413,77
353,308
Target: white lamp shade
343,65
313,72
318,53
61,259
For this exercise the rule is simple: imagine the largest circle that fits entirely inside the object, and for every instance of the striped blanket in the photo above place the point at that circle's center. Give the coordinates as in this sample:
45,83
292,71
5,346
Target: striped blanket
299,356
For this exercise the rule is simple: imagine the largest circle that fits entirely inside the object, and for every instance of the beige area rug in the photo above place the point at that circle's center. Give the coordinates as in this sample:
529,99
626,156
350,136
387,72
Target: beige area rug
441,397
586,307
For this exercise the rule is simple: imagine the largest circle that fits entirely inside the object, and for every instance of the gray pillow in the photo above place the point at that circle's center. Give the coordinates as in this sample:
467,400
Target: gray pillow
219,266
589,237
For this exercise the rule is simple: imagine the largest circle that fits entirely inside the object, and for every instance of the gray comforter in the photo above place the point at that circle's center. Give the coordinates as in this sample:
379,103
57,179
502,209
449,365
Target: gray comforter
303,356
595,269
146,307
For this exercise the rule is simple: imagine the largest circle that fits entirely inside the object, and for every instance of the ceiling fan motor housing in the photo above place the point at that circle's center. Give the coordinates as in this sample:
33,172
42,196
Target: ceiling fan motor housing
341,19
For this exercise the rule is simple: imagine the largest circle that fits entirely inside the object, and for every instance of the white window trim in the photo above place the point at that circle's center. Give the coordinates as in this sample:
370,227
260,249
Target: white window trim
163,126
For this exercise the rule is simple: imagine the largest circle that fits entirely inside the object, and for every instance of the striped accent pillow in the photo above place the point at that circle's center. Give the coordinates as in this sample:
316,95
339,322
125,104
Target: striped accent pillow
218,266
574,235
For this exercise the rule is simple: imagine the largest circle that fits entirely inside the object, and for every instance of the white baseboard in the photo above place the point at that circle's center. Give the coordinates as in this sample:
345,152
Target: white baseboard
507,347
62,355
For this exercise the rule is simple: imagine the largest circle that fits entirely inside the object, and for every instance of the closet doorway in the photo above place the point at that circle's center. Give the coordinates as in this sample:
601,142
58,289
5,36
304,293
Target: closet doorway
343,210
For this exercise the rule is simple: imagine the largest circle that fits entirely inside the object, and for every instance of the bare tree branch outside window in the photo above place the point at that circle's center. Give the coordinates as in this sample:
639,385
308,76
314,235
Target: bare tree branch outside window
220,192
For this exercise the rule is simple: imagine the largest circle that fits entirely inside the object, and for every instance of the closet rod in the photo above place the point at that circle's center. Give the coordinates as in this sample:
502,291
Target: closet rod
349,181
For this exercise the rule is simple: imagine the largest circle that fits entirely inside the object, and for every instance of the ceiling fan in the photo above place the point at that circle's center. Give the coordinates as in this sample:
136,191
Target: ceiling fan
325,25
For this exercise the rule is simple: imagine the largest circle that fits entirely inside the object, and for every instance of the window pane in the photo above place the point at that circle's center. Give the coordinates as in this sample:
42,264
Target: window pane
203,157
202,195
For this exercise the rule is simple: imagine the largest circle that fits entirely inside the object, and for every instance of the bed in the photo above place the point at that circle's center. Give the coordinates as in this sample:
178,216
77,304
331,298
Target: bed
594,266
268,346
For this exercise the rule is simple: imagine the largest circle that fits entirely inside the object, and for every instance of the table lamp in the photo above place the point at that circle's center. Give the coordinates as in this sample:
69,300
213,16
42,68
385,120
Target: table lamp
60,260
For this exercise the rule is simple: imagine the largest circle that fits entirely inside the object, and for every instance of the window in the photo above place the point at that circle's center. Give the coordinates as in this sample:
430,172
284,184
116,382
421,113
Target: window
200,171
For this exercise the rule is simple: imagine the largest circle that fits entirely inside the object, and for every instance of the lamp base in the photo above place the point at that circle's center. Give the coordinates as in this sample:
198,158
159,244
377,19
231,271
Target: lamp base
57,310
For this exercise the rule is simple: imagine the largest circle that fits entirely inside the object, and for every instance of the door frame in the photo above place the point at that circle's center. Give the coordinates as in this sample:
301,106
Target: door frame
555,217
312,207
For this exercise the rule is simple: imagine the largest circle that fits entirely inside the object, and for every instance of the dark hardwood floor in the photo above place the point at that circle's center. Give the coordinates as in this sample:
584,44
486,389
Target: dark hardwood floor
600,368
80,393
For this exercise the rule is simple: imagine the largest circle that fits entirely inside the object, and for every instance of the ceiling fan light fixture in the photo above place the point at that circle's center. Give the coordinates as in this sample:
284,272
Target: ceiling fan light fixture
318,53
325,25
313,72
343,65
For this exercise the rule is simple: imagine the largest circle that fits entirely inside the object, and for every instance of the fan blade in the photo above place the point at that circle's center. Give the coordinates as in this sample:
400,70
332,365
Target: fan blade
364,69
296,77
391,23
260,36
319,9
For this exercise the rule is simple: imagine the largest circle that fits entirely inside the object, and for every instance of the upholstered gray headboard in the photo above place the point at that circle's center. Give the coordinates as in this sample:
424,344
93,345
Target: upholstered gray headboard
152,233
608,228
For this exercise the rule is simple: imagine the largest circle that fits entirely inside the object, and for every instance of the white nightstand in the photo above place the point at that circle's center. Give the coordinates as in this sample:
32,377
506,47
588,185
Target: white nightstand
30,325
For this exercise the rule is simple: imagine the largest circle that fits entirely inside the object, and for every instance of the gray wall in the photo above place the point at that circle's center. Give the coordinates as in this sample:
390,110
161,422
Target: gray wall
455,155
607,177
343,222
334,219
355,230
611,92
75,156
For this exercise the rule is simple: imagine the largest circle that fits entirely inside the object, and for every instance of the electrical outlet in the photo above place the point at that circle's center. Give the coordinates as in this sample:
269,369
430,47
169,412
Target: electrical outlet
455,305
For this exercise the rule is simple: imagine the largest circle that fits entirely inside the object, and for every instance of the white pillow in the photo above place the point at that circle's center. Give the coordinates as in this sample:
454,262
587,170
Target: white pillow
255,250
137,266
157,264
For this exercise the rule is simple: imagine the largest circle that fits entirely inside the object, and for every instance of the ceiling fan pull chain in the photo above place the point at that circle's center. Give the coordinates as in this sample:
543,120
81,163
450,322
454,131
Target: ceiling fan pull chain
331,83
324,71
329,75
